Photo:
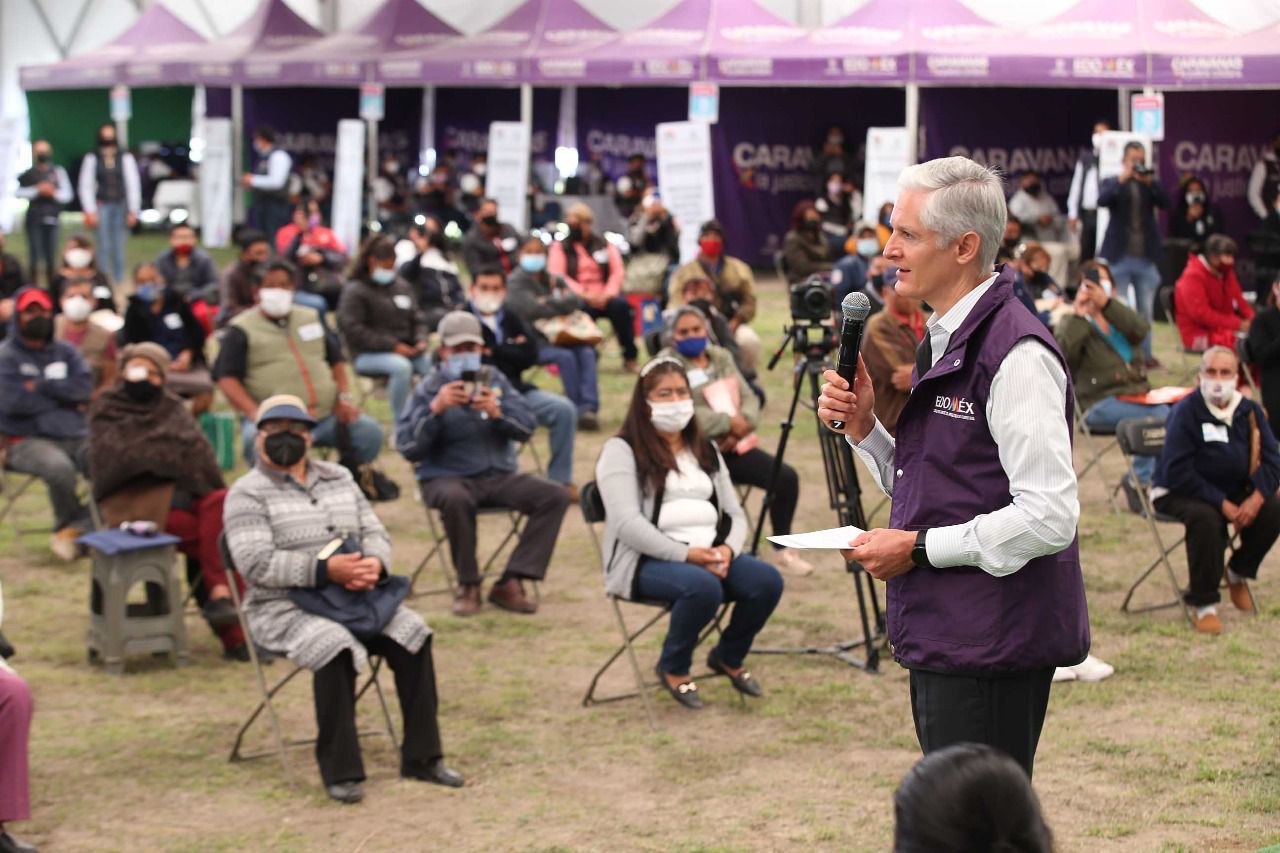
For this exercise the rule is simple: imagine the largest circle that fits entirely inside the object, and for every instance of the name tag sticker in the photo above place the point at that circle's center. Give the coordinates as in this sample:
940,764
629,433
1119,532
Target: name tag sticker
1215,432
402,301
509,244
311,332
55,370
173,321
697,377
28,369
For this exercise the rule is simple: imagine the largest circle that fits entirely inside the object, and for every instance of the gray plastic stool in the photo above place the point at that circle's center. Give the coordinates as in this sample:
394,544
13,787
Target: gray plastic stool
117,628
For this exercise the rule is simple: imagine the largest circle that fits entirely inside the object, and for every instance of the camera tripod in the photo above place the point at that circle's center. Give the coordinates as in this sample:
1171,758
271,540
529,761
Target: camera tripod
815,342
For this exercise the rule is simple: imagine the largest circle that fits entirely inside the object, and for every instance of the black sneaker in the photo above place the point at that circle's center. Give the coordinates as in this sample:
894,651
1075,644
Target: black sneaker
220,613
1132,496
240,654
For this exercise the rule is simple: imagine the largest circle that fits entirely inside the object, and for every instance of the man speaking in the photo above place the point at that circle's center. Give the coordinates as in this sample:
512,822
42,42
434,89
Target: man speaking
985,595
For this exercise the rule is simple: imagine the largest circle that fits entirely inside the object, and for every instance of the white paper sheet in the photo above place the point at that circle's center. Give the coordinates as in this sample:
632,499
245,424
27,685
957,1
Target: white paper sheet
831,539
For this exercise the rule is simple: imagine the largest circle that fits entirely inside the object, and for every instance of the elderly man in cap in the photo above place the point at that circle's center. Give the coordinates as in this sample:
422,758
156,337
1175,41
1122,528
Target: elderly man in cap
44,385
460,429
295,524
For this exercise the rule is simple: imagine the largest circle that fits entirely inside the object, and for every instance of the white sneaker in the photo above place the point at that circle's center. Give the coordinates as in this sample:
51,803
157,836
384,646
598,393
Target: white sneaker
1064,673
790,561
1093,669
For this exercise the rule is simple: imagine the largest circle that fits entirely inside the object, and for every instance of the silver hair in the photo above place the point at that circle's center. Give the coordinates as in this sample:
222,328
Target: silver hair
1218,349
669,327
963,196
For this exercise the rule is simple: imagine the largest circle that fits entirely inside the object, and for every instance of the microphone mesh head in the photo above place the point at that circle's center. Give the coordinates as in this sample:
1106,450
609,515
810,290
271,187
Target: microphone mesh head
856,306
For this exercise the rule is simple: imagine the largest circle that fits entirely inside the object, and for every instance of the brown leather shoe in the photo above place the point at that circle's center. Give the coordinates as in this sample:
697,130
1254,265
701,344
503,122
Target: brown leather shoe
630,366
1207,624
466,600
1241,597
572,490
509,595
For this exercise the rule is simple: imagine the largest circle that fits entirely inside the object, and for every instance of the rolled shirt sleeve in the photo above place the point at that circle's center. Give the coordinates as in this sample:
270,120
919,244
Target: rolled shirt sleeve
877,451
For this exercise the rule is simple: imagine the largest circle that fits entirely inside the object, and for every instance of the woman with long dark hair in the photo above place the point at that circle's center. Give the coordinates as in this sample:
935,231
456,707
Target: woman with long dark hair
674,532
804,250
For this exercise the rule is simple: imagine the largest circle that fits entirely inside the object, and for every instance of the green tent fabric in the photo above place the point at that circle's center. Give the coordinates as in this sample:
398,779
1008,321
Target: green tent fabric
69,118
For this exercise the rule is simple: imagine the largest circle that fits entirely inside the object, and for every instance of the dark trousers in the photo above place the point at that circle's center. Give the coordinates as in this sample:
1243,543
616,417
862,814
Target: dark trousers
271,213
338,744
754,468
1088,234
1207,540
56,461
695,595
42,243
1007,713
542,502
618,311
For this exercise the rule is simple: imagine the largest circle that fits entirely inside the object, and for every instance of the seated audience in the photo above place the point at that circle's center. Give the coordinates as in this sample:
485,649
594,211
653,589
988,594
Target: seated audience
705,363
735,289
1101,340
592,267
44,385
317,254
804,250
700,293
11,281
534,295
489,242
241,280
1042,221
140,436
283,520
461,435
1220,466
1208,303
379,319
94,341
433,275
511,345
968,797
850,272
654,236
889,352
158,314
1195,217
837,213
675,533
878,274
1011,244
188,269
16,708
79,263
1264,349
282,348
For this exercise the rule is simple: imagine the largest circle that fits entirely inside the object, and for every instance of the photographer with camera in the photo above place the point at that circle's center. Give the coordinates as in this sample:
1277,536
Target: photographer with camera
1132,243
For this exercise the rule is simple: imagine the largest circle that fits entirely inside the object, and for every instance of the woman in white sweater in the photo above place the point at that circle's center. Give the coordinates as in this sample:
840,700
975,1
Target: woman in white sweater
674,533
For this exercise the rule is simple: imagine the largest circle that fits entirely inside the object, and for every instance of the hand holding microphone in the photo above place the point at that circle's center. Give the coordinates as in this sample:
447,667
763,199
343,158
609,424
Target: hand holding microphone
847,402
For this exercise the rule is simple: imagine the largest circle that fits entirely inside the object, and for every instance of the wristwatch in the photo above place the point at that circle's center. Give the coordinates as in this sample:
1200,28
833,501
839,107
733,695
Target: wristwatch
920,554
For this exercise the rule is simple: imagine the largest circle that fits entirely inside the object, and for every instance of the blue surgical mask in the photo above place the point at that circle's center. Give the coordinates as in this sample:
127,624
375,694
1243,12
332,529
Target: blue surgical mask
533,263
148,292
692,347
381,275
868,246
460,362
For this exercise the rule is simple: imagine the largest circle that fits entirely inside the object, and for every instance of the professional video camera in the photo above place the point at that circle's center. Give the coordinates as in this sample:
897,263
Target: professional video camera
811,300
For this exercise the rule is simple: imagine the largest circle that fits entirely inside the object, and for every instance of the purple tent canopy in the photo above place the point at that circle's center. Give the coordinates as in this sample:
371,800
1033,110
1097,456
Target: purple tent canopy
351,56
870,45
1188,47
495,55
156,36
668,49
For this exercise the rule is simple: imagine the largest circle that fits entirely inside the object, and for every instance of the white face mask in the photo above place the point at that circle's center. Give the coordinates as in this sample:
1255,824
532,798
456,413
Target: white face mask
487,304
1217,391
671,417
78,258
275,301
77,308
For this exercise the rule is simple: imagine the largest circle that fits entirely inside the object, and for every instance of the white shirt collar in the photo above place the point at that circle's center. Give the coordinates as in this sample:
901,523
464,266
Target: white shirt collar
942,328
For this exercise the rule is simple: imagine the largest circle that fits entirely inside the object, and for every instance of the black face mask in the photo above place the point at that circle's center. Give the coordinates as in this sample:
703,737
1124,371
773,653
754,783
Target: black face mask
491,221
877,281
575,232
43,158
284,448
1011,243
1041,279
38,328
1034,189
106,142
810,225
142,392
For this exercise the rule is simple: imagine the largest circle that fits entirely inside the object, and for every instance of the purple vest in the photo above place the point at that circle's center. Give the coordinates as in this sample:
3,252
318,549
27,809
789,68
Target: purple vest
948,471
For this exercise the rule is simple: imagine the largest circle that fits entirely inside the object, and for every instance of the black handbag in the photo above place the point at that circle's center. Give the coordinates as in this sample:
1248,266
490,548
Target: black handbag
363,612
373,484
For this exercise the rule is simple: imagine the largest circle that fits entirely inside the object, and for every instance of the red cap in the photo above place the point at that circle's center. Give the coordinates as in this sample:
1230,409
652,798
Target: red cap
33,294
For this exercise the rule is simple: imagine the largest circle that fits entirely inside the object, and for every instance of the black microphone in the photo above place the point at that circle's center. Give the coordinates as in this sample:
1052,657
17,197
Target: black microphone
856,307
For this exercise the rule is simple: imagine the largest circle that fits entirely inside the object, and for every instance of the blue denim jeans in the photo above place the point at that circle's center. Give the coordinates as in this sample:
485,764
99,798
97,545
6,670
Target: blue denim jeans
398,370
112,233
577,366
695,595
311,300
560,418
1109,411
366,437
1144,275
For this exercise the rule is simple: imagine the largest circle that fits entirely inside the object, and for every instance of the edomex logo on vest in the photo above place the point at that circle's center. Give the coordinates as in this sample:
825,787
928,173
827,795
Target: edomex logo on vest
953,407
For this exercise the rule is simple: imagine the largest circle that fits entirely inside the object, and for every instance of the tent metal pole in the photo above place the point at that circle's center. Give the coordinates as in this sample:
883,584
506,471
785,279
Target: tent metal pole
913,121
48,29
526,104
1122,110
371,168
427,138
237,152
75,28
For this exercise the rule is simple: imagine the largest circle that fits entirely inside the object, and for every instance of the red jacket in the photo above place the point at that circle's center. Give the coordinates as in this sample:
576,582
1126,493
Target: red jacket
1209,306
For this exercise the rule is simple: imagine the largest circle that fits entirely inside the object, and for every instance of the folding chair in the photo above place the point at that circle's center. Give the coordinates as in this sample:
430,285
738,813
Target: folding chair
1246,358
1095,452
744,495
593,513
1165,295
269,693
9,495
439,551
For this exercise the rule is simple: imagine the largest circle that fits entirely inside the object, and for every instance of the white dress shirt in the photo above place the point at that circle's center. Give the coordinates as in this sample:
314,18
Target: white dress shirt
1258,179
279,164
87,183
1083,194
1025,413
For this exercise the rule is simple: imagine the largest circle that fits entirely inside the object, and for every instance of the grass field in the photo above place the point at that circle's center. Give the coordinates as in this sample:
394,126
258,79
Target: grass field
1180,750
